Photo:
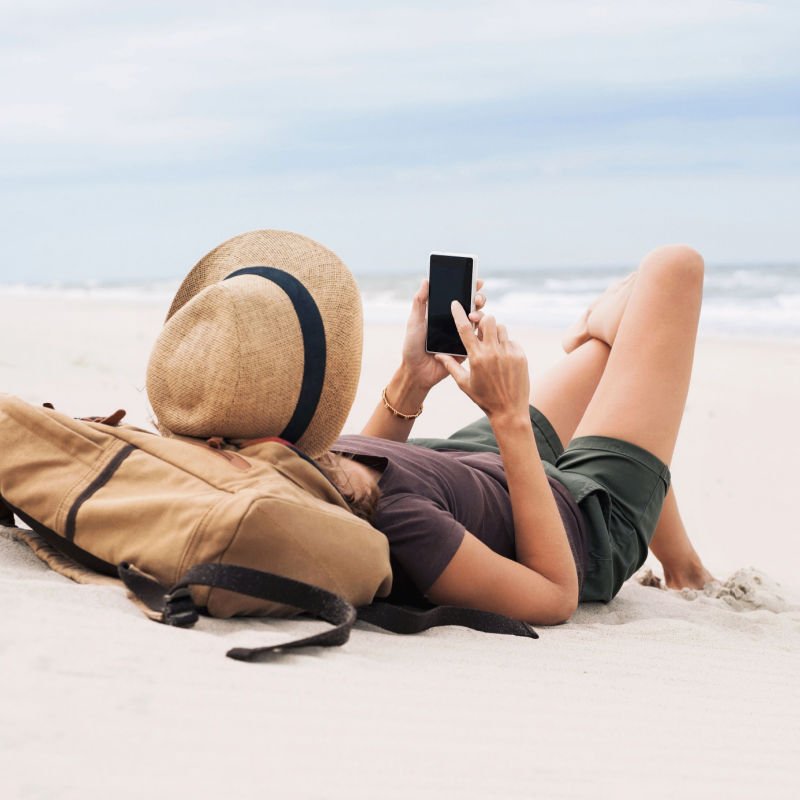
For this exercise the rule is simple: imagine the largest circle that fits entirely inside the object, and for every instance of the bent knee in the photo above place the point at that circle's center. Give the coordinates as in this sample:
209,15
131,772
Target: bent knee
678,263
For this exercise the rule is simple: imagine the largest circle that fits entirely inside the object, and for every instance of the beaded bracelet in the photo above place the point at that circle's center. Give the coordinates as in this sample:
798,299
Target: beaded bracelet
394,411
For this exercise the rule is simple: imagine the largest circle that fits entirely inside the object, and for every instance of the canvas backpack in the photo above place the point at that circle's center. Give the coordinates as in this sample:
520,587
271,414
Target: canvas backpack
245,528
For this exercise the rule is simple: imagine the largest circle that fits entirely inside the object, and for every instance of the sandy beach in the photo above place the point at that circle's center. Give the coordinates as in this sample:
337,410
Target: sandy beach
658,694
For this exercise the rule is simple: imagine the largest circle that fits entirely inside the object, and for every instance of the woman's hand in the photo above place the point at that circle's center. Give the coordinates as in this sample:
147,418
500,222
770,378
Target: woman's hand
498,379
421,365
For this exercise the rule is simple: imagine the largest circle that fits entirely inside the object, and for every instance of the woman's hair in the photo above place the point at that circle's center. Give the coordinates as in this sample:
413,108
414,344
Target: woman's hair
362,502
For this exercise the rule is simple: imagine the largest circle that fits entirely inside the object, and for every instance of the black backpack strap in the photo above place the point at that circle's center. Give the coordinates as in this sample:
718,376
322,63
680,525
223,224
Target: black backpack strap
160,604
176,608
6,514
173,604
404,619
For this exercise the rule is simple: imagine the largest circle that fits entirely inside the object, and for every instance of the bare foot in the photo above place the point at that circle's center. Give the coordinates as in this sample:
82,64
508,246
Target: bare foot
577,334
601,320
691,575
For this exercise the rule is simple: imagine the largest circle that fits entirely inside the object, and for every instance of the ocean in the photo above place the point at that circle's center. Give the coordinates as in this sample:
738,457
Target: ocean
752,301
758,300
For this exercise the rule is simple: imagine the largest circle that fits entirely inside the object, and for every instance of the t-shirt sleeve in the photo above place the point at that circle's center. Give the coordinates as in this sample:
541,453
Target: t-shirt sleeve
423,537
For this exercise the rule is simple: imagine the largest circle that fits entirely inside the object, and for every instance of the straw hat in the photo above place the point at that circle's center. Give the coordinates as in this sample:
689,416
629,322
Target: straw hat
262,339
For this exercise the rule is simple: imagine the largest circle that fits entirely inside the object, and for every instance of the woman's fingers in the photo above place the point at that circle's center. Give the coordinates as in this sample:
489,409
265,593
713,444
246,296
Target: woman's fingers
502,333
460,375
480,301
421,295
480,298
488,328
463,326
419,304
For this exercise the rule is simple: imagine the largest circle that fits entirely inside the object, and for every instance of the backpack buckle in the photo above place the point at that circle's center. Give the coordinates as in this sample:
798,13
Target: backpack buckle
179,608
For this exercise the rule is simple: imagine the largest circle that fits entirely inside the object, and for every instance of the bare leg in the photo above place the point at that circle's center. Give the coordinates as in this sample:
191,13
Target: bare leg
642,393
563,393
601,320
671,546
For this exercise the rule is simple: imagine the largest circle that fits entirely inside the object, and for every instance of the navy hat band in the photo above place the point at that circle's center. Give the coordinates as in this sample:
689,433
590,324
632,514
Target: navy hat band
314,346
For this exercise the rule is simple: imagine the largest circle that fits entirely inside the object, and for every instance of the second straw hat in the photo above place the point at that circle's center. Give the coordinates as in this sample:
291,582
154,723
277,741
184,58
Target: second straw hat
263,338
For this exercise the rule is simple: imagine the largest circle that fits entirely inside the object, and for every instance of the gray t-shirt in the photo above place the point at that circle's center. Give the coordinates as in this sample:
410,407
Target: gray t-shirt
430,497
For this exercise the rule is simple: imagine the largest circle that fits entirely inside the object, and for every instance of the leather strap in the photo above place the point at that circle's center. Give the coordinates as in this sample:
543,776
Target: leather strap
405,619
6,514
174,607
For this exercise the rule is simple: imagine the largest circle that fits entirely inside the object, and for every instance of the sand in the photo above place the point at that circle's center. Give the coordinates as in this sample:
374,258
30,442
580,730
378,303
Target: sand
659,694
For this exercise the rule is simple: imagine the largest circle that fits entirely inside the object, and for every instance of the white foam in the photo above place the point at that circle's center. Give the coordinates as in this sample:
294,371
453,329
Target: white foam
738,301
156,292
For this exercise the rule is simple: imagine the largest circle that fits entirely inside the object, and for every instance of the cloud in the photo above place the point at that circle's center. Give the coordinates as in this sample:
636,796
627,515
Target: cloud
149,129
177,75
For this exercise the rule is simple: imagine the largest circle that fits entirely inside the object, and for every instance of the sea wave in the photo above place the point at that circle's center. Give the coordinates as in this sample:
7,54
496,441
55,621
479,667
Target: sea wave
754,300
156,292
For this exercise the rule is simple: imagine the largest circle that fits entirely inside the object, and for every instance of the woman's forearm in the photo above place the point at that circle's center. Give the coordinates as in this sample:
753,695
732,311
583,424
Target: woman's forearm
404,394
541,539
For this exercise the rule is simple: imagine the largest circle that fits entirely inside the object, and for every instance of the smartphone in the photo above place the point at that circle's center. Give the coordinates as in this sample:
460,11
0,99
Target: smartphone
452,276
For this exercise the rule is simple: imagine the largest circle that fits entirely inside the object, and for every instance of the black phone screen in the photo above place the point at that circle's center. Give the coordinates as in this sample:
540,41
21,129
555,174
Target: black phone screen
450,279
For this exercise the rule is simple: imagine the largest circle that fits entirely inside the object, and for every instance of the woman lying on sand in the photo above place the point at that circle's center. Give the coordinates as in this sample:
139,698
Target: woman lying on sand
551,498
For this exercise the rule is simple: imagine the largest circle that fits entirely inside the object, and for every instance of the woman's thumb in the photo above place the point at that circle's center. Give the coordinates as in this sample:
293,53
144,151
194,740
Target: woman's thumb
420,303
455,369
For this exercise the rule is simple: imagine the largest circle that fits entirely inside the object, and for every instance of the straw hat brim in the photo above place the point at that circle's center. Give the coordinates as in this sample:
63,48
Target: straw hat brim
263,338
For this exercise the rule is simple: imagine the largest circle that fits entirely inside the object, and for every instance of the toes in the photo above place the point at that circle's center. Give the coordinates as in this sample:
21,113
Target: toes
577,334
570,343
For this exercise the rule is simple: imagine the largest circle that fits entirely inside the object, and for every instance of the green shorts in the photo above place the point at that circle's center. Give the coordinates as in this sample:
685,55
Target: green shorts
619,488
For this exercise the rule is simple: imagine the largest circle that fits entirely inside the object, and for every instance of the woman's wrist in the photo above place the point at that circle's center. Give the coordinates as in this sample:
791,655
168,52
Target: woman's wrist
509,422
404,391
395,412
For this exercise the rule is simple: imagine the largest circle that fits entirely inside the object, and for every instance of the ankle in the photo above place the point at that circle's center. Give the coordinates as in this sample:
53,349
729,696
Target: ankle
690,573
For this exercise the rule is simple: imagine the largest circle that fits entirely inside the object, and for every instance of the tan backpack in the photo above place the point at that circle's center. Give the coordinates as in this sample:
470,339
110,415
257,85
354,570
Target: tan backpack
252,528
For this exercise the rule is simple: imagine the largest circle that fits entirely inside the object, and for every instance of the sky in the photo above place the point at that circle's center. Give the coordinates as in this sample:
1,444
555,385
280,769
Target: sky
135,136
